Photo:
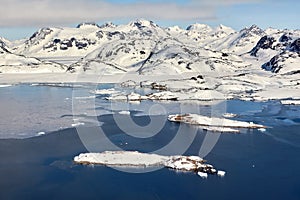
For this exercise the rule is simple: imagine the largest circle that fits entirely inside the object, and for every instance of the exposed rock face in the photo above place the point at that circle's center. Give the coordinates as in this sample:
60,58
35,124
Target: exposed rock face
265,42
253,30
272,65
284,38
3,47
295,46
68,43
282,62
290,55
108,25
38,36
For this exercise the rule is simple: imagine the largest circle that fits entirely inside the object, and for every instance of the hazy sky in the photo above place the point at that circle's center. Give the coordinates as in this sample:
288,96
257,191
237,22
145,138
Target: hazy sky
20,18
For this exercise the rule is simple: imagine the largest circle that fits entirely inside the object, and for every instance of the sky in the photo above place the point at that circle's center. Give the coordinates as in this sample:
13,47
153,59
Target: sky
21,18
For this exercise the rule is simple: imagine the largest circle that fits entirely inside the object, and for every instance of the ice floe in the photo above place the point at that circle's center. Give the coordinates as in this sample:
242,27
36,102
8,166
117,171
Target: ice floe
40,133
137,159
290,102
104,91
77,124
202,174
162,96
84,97
213,123
124,112
221,173
5,85
229,115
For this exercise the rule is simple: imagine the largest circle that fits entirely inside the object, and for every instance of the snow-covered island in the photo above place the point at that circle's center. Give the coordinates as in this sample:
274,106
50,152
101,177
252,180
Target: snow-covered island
137,159
213,123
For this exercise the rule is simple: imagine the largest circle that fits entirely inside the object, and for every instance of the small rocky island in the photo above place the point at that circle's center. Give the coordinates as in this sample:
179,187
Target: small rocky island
137,159
214,124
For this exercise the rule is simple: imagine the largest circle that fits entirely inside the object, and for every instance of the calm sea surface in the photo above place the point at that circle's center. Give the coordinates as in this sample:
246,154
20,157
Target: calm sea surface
258,165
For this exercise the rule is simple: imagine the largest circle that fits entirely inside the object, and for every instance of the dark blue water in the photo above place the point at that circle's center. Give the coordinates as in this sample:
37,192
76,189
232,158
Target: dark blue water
258,165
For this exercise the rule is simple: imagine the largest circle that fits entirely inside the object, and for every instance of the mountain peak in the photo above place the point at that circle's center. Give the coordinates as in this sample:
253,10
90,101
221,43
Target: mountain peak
141,23
3,48
87,24
198,27
224,28
108,25
39,35
174,29
254,29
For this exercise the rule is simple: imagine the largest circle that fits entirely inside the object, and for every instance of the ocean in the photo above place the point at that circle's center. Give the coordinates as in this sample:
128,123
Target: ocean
258,164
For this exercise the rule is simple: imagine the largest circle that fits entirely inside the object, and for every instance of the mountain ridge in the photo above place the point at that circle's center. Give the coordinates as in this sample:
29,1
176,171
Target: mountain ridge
142,44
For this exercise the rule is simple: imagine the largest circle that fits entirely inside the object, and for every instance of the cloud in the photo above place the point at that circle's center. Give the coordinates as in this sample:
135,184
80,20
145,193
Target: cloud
58,12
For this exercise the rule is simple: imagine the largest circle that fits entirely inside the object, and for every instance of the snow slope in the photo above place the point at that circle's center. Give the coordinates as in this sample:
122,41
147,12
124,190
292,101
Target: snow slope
12,63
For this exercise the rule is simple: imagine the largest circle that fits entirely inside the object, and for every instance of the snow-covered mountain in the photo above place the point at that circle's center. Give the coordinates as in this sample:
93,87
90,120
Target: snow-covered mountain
13,63
287,61
143,47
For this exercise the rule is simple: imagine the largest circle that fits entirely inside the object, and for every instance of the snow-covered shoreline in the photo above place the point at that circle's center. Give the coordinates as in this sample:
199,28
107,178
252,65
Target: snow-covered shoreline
177,87
137,159
19,78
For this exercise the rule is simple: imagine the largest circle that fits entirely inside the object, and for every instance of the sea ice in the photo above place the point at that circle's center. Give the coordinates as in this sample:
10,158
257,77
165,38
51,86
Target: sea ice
124,112
221,173
202,174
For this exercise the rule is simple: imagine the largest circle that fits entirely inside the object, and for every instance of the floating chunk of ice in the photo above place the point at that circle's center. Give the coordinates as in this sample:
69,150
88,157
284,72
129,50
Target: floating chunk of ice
124,112
229,115
41,133
105,91
221,173
262,129
202,174
78,124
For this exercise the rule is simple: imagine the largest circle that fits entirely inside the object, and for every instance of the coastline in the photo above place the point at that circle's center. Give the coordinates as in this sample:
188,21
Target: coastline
18,78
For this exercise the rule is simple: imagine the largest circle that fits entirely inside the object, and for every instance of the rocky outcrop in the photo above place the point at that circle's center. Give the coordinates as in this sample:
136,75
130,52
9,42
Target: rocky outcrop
273,64
39,36
65,44
265,42
295,46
